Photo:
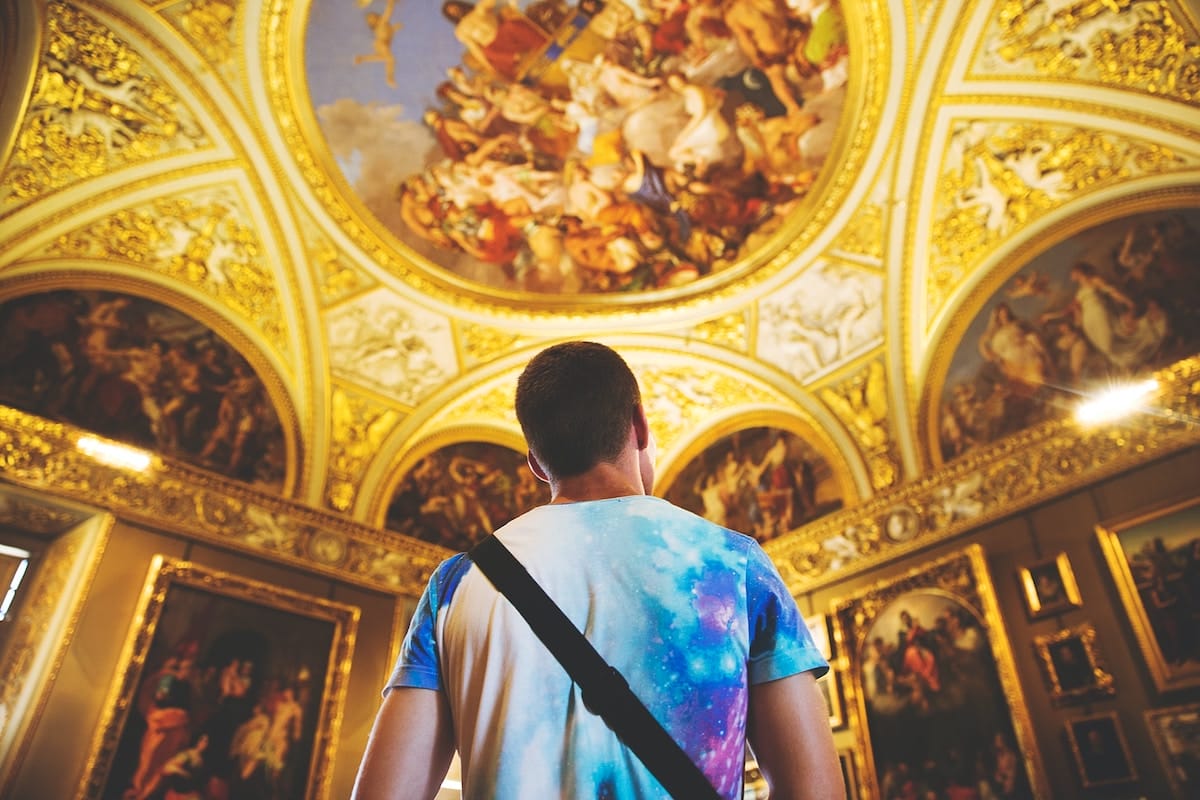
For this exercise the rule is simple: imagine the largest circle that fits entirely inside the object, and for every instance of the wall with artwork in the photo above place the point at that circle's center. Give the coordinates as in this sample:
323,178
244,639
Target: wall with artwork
1069,631
182,651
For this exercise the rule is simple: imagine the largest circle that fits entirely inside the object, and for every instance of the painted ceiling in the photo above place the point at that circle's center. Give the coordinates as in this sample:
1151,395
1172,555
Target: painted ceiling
283,175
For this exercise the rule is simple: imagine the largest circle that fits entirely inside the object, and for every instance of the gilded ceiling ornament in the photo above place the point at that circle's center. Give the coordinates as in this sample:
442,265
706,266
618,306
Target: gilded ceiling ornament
730,331
861,403
199,239
482,343
337,278
680,399
399,350
997,480
1001,176
863,234
359,429
1133,44
493,404
96,107
830,314
209,27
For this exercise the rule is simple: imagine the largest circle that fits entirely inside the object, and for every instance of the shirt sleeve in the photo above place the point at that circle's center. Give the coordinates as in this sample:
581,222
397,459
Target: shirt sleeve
418,664
780,644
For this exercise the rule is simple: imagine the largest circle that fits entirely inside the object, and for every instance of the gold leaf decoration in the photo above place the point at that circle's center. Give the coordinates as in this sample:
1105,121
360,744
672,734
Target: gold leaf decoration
209,27
481,343
861,403
863,235
359,428
730,331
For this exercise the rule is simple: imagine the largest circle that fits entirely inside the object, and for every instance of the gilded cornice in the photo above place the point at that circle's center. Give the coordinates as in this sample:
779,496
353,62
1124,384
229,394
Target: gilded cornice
994,482
42,455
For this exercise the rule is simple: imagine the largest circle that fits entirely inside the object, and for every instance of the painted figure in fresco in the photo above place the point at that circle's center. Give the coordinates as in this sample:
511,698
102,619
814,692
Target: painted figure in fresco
384,30
498,39
679,602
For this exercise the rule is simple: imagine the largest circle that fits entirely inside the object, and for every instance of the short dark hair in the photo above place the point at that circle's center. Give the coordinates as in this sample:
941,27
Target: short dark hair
575,402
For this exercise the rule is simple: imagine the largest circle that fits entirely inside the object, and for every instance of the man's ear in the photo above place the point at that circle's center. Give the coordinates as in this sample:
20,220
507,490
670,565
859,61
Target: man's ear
536,468
641,427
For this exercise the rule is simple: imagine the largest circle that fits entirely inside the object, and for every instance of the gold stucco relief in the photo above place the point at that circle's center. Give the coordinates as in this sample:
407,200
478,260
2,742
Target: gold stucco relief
360,427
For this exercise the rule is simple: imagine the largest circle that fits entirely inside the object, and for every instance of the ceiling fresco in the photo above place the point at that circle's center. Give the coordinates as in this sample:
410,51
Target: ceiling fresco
813,212
575,148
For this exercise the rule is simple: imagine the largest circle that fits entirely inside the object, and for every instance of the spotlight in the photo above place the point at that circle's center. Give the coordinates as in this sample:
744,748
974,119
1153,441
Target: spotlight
114,455
1114,403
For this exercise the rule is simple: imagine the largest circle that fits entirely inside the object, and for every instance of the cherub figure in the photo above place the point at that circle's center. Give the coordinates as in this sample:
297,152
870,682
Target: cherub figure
384,29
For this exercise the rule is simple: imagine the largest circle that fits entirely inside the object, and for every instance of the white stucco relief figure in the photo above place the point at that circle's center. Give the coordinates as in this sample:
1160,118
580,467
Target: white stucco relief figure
831,313
402,351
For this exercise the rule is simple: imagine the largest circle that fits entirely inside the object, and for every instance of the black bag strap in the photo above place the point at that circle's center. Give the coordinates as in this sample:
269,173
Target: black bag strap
605,691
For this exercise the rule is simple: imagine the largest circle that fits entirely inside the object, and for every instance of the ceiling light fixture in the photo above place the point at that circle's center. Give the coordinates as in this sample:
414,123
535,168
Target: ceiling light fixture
1115,402
114,455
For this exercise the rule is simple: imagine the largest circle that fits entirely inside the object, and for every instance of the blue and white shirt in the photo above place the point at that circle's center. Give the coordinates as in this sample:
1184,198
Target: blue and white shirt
689,612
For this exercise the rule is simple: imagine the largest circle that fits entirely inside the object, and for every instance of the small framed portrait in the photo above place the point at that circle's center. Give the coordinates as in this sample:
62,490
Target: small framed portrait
1101,752
849,773
1072,665
1049,587
1175,732
831,690
818,628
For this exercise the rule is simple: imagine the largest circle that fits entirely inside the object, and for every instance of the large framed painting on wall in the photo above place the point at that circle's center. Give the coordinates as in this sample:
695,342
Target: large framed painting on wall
227,687
932,682
1154,559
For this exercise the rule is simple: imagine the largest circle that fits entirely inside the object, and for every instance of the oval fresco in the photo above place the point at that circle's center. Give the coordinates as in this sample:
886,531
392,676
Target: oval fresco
550,147
140,372
759,481
458,494
934,701
1114,301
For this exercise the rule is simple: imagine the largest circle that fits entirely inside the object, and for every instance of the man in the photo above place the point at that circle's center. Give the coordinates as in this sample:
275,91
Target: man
693,615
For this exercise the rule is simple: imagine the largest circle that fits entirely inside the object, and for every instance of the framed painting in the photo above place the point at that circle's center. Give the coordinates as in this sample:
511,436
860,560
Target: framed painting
932,683
1154,559
818,628
830,686
1175,732
1049,587
849,773
1072,665
1101,752
227,686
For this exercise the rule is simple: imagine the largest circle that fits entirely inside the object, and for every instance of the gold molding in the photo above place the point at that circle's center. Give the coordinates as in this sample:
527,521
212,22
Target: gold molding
42,455
988,484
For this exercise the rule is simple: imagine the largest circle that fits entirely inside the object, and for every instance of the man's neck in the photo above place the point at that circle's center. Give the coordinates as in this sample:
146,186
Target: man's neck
602,482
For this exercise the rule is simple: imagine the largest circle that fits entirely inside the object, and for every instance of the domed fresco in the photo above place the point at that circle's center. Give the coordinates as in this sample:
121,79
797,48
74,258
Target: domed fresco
1112,302
563,148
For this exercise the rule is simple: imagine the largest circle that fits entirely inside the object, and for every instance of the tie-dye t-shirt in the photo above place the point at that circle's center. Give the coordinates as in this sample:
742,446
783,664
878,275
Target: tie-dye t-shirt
688,611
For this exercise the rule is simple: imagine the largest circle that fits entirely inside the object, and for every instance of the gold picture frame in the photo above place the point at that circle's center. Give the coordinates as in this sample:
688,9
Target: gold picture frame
1101,753
912,714
214,663
818,628
830,685
1175,732
1049,587
1154,559
1071,662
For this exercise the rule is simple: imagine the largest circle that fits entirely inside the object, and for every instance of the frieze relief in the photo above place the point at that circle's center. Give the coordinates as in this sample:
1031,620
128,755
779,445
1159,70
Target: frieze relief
96,107
42,455
998,177
1012,474
1130,44
199,239
337,278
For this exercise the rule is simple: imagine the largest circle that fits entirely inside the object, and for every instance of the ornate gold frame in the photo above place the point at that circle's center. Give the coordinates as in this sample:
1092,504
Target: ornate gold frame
1167,749
167,572
1073,740
837,708
1166,676
1033,600
961,576
1101,684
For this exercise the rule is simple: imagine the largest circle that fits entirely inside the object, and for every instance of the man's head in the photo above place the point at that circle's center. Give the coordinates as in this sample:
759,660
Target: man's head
576,402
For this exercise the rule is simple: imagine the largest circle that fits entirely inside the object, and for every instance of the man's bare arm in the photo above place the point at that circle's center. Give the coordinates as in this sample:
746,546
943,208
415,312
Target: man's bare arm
789,732
409,749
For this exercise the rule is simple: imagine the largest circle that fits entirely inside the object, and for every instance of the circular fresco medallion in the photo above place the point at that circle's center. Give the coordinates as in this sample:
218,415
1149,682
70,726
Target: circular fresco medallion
547,147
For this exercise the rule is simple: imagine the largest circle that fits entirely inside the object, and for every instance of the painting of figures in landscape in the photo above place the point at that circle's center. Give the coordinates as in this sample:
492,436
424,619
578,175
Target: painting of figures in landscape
759,481
1115,301
557,147
134,370
458,494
